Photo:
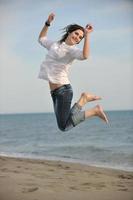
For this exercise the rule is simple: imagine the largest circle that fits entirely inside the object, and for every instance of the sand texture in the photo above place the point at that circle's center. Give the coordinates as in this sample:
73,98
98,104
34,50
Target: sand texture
27,179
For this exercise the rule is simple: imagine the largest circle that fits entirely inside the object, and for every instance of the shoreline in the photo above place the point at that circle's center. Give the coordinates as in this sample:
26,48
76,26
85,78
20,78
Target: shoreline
68,160
34,179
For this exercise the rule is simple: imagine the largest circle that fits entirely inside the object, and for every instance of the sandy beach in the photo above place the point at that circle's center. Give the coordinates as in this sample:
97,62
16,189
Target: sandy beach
26,179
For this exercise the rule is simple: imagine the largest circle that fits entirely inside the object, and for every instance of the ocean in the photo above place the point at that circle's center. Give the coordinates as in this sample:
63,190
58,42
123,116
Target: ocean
93,142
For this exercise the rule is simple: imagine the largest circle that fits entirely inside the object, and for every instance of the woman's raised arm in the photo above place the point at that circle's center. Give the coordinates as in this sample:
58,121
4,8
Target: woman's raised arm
44,31
86,47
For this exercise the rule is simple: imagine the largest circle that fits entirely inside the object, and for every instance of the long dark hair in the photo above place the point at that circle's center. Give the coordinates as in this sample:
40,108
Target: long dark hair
69,29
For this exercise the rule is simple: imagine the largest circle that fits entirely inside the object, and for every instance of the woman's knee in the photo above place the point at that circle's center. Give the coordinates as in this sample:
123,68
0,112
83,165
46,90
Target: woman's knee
62,127
65,126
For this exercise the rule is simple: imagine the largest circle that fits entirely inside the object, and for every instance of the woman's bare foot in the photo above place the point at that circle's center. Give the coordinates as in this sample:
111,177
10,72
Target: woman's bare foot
96,111
100,113
87,97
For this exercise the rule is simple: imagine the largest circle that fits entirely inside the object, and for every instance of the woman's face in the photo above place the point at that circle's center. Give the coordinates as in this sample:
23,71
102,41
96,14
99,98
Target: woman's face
74,37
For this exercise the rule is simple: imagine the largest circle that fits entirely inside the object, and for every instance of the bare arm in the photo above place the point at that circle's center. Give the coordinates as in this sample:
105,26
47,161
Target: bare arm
44,31
86,46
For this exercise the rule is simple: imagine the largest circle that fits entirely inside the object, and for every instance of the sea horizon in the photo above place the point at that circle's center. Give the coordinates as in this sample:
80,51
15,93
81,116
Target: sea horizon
49,112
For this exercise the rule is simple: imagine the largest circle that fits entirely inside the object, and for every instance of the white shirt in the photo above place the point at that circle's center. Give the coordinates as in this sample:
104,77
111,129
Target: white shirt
58,61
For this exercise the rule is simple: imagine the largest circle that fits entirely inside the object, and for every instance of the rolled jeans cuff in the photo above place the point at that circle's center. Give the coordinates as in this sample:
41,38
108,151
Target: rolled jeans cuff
78,118
76,109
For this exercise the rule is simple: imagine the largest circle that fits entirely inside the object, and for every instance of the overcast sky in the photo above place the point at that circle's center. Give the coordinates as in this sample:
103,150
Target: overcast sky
108,72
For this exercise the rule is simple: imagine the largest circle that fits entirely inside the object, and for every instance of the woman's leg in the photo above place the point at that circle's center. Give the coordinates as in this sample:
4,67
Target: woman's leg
62,98
78,116
68,117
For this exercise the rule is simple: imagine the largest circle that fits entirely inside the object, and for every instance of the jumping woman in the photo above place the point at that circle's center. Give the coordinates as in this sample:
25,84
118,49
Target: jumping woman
55,69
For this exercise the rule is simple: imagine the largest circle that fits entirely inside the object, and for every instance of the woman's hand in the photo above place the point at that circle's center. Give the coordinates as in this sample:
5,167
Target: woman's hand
51,18
88,28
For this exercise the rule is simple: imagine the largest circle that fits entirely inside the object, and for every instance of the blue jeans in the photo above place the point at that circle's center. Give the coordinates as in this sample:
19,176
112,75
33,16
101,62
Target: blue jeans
66,116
